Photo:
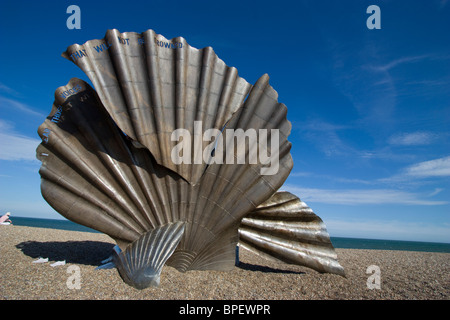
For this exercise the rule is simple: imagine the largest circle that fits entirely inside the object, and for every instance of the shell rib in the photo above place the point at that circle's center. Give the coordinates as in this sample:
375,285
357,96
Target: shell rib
94,175
152,86
285,228
140,264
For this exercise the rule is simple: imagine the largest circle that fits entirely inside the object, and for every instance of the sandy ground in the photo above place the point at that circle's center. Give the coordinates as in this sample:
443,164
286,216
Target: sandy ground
402,275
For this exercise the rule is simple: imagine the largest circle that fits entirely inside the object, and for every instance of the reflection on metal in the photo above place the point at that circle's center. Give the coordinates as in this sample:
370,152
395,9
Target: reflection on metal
106,160
152,86
141,263
285,228
94,175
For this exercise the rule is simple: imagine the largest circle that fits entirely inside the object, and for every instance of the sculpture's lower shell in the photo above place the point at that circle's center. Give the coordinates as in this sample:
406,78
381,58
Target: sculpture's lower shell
141,262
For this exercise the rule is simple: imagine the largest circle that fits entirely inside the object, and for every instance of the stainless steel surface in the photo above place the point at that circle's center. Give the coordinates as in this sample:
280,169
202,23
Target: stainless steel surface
151,86
141,262
94,175
106,158
285,228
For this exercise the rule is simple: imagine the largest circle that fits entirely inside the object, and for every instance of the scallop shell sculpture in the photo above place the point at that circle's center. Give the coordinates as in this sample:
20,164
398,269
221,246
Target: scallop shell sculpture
107,160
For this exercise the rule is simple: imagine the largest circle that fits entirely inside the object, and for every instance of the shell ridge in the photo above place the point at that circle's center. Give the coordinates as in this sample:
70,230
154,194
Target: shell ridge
104,222
305,252
164,251
154,68
152,185
91,195
120,56
218,254
144,248
68,153
229,86
201,106
167,119
166,189
254,97
155,243
143,179
62,145
309,232
181,63
153,85
99,67
172,195
299,240
119,171
140,264
161,195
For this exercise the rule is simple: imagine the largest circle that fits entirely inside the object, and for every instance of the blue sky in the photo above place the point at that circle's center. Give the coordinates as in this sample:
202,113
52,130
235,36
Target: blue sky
370,109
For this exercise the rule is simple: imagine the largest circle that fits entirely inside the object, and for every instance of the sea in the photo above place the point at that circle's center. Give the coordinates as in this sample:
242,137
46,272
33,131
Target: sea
338,242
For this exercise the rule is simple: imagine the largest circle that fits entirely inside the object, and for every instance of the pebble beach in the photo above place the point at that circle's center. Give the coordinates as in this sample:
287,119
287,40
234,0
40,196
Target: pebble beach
402,275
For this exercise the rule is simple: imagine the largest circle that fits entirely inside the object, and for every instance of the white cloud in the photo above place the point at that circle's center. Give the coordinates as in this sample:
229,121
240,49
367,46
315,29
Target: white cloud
442,3
17,147
359,197
390,65
389,229
300,174
416,173
8,90
13,104
14,146
432,168
412,139
326,137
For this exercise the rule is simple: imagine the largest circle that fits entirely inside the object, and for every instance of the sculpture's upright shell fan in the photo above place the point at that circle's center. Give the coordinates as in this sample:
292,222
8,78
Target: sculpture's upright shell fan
107,160
152,86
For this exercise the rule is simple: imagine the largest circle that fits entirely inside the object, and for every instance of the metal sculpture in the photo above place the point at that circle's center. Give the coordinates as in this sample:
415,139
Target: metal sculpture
108,160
